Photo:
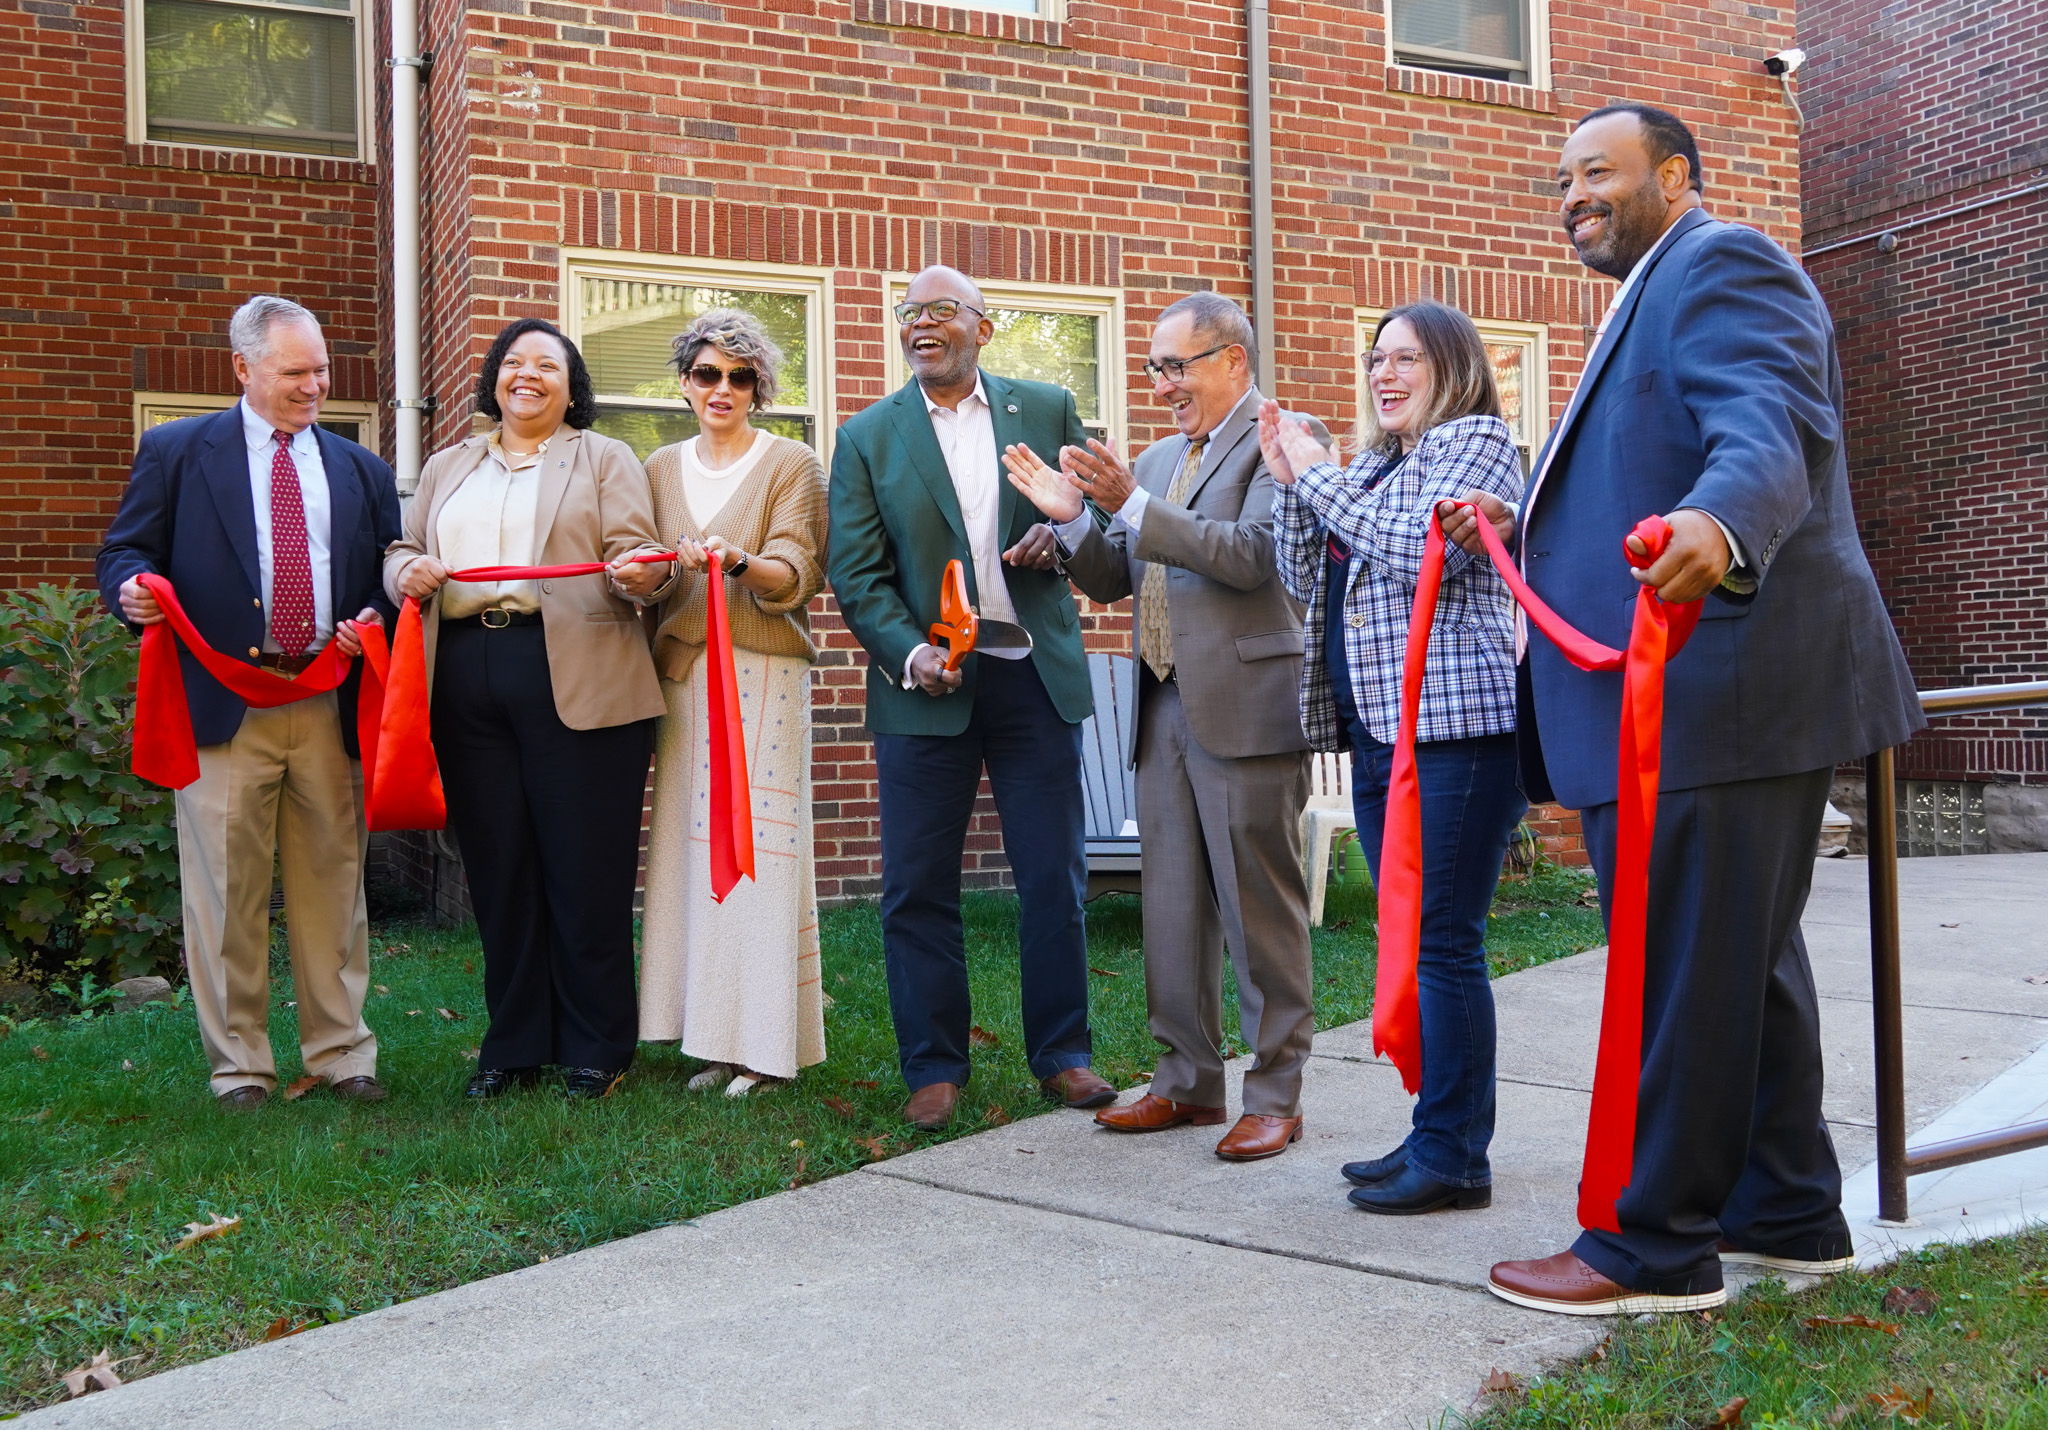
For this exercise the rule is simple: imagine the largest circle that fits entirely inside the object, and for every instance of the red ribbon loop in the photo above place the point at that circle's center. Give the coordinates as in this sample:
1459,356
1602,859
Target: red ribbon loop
1659,630
732,816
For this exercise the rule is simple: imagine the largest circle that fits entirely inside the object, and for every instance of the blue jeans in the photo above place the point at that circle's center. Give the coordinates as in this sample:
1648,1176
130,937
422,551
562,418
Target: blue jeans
1471,802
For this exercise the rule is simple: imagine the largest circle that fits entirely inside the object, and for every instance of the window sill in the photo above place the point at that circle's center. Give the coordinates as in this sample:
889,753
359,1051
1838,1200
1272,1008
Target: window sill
1440,84
960,20
251,161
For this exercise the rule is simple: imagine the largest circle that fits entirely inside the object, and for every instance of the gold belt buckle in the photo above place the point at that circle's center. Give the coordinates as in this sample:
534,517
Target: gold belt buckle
504,618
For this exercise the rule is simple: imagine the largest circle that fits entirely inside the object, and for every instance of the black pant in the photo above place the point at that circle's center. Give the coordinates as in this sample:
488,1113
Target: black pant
548,820
1729,1135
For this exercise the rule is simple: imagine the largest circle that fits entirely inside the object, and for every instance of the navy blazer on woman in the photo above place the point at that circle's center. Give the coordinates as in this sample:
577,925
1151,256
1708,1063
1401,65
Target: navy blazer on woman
1717,388
188,515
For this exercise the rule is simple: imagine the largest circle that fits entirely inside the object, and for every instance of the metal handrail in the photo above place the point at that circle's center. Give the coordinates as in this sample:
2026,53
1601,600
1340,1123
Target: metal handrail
1895,1162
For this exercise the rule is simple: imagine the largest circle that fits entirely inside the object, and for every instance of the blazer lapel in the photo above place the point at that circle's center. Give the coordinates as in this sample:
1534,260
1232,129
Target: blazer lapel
565,454
1224,440
344,509
914,426
224,458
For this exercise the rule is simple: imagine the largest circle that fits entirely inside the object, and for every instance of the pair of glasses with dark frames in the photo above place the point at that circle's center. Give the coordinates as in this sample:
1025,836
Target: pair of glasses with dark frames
942,310
706,376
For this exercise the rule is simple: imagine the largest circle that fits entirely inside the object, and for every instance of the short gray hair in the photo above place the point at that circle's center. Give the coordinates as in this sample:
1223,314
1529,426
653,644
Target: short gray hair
737,335
249,329
1217,319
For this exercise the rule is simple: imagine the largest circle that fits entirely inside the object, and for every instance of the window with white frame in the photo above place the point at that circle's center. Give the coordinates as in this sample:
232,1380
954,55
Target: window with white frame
1520,373
356,421
1486,39
625,314
279,75
1069,337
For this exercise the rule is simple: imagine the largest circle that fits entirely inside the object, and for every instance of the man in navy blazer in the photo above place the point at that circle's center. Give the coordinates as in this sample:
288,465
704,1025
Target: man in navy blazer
1713,398
272,533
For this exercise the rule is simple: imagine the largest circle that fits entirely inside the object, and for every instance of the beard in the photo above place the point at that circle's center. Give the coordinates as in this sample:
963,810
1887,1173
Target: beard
1634,224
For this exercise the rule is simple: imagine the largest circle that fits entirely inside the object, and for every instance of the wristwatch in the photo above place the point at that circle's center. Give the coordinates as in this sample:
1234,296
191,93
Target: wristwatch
739,567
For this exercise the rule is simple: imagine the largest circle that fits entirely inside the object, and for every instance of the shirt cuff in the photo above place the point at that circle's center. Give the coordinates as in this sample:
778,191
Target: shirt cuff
1132,513
908,683
1071,534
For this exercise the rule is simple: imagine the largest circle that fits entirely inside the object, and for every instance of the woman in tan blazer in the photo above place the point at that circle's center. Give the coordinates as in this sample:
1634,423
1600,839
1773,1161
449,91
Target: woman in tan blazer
544,698
737,982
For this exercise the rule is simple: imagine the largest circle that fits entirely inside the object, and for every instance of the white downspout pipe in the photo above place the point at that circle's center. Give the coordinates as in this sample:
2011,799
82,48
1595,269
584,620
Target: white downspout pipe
1259,115
408,402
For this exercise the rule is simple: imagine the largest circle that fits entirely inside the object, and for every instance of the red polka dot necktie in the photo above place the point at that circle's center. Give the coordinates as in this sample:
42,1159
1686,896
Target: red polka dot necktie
291,569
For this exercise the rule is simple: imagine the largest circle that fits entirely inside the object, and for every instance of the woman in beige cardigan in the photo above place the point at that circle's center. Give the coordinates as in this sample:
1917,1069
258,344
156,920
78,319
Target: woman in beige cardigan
736,982
544,698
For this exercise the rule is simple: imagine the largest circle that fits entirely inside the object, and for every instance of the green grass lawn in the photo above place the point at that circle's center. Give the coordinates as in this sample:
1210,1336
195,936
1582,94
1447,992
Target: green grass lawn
110,1143
1954,1336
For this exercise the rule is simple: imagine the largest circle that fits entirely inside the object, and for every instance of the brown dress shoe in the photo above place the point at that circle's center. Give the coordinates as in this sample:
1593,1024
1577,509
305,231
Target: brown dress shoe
243,1098
1257,1136
1567,1285
1156,1114
931,1106
1077,1087
359,1089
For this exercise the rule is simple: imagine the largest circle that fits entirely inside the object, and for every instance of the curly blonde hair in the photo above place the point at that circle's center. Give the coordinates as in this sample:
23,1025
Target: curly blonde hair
737,335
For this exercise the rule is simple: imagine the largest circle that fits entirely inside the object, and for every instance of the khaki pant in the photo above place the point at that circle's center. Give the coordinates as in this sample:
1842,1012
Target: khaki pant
283,786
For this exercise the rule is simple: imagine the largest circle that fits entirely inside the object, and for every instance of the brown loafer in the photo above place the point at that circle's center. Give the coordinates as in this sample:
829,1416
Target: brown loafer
1156,1114
1567,1285
359,1089
243,1098
1257,1137
1077,1087
931,1106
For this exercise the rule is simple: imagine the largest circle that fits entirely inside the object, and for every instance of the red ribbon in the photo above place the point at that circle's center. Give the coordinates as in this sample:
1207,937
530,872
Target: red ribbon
732,820
1659,631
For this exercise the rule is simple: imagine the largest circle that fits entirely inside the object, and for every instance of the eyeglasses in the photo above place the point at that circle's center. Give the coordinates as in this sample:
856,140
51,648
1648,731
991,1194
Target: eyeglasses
1174,369
706,376
942,310
1403,359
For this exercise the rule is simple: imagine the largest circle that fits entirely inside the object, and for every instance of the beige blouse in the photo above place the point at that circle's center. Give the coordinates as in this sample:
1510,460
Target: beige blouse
777,510
489,521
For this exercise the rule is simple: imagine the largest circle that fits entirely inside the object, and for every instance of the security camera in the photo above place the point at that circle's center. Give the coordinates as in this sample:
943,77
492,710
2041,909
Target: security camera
1785,62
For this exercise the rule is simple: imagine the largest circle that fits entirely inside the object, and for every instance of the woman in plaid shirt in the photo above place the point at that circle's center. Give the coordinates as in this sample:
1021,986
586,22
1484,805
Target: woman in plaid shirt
1350,548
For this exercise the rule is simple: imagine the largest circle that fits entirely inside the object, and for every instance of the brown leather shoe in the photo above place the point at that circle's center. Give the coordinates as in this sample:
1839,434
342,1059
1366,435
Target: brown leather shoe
1567,1285
359,1089
1156,1114
243,1098
1257,1136
1077,1087
931,1106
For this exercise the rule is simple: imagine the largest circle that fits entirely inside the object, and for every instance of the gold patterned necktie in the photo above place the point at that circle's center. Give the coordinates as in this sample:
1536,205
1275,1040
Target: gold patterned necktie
1155,628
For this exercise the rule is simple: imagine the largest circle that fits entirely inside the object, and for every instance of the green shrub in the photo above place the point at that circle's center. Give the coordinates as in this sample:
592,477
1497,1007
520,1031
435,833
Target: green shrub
88,858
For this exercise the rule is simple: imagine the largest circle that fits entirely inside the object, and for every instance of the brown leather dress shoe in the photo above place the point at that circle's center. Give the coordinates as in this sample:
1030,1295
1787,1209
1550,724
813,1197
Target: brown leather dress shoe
359,1089
931,1106
1257,1137
1156,1114
1077,1087
243,1098
1567,1285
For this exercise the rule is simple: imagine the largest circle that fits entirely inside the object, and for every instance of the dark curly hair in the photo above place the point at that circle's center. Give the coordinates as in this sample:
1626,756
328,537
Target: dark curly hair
582,396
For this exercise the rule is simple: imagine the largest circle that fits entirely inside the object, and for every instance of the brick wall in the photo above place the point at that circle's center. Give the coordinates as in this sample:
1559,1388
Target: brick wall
1944,332
868,139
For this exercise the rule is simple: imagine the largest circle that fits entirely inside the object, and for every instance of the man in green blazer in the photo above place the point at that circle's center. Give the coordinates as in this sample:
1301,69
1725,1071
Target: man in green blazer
916,482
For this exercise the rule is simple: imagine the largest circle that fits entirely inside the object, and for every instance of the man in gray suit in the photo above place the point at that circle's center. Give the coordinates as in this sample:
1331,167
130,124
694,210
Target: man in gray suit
1222,763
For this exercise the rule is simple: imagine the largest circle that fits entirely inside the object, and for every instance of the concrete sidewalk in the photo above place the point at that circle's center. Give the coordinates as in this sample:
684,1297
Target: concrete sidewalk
1048,1274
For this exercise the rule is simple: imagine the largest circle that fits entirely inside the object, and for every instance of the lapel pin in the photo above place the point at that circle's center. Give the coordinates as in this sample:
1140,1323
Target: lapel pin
1009,407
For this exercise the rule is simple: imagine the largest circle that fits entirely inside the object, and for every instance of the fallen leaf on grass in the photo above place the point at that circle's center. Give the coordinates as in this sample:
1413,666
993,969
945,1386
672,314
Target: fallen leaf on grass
450,1015
1840,1413
981,1037
841,1106
43,1116
996,1116
877,1148
1910,1301
1731,1413
1500,1382
1103,972
382,988
284,1326
866,1082
82,1238
412,1012
472,1053
127,1066
801,1175
1899,1404
198,1231
1590,898
298,1087
95,1374
39,1053
1865,1323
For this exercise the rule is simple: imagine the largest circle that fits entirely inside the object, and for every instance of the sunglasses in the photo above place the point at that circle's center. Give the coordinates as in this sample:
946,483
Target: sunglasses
707,376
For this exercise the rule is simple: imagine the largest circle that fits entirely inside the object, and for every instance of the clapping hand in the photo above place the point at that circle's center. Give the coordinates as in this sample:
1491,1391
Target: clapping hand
1100,473
1049,489
1287,445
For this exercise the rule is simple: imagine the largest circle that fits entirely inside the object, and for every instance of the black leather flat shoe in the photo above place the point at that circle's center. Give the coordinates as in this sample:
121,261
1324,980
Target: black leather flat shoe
1411,1193
496,1082
1364,1174
590,1082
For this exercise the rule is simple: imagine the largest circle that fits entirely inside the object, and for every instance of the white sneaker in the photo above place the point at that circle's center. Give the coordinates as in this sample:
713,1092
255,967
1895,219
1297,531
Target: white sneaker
711,1077
1736,1256
750,1082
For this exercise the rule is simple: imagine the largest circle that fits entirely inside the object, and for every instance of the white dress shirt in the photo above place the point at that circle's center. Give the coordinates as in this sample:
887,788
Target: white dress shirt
967,438
305,450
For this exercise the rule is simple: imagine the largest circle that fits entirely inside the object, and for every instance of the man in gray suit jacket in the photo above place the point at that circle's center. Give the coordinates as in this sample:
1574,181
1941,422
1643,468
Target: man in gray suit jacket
1222,762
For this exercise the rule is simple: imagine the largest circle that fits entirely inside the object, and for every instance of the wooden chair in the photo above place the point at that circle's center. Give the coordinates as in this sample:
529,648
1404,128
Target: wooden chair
1114,860
1327,814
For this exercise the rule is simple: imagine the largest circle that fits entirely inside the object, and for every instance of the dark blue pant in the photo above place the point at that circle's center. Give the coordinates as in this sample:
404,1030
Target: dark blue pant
548,821
928,785
1730,1141
1471,803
